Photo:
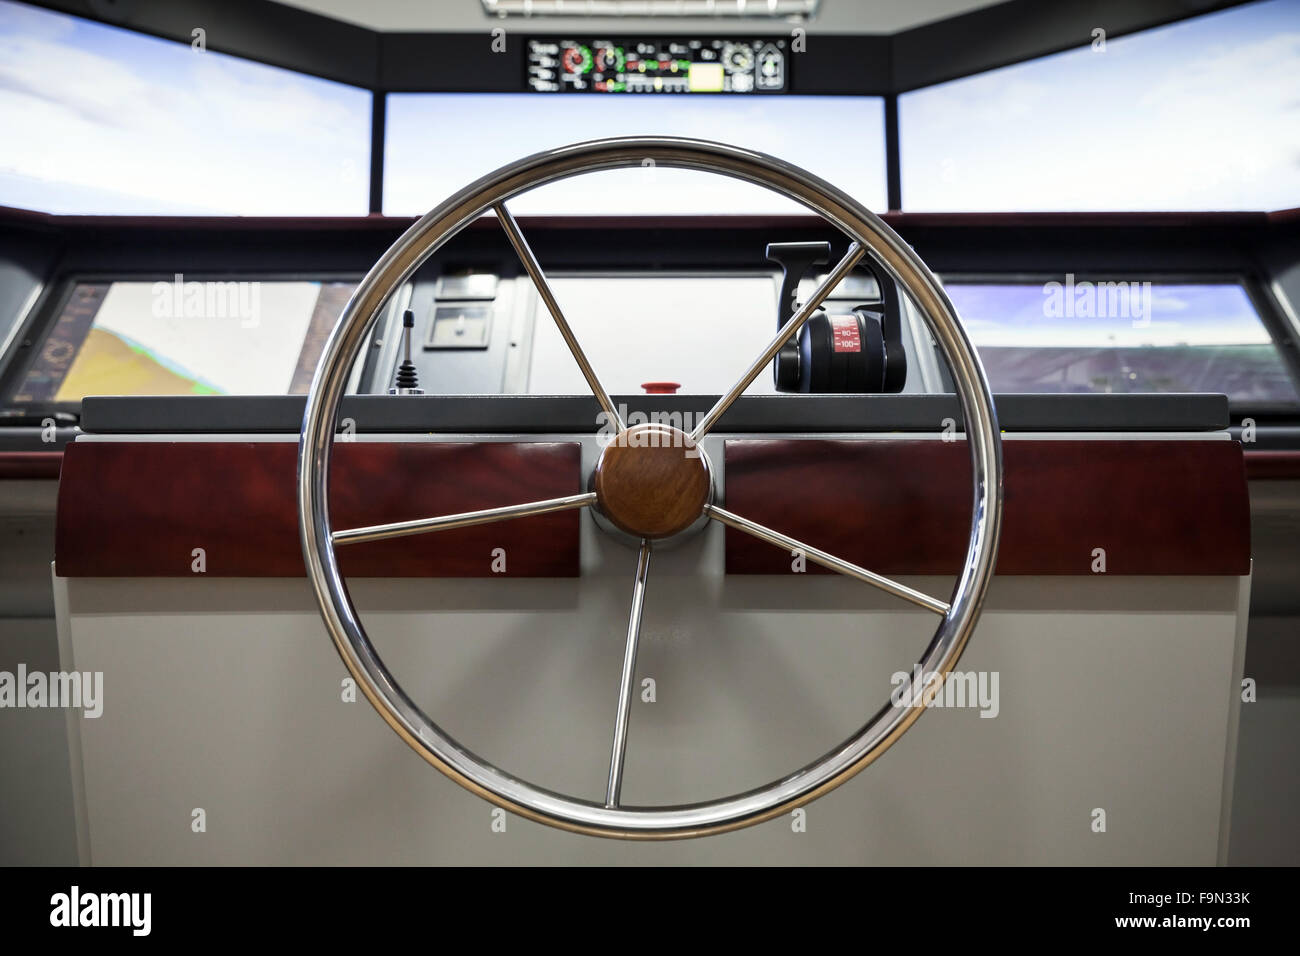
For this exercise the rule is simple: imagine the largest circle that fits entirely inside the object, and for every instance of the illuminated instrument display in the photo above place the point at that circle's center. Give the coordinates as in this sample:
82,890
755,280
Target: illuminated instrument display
658,66
259,337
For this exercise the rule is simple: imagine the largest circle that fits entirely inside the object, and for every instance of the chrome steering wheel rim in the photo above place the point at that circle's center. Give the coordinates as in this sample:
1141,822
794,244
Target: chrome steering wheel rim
426,237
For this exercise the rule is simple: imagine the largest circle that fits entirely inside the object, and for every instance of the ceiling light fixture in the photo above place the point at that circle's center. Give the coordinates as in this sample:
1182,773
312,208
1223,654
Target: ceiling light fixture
750,9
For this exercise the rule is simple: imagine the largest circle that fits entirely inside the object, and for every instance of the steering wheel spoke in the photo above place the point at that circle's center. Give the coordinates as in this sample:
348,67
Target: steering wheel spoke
797,321
534,270
400,529
827,560
627,686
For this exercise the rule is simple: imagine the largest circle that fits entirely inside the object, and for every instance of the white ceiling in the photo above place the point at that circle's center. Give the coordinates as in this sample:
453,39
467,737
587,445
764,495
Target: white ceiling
834,16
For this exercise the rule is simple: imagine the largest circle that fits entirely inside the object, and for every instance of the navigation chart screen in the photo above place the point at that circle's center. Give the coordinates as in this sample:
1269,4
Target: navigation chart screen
178,337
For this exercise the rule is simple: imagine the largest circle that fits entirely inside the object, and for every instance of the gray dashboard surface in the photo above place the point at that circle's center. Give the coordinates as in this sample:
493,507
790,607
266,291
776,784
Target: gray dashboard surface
539,414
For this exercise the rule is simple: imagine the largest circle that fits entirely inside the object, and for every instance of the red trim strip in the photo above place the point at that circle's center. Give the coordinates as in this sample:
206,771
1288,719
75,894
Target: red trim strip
140,509
904,507
10,214
1272,465
38,465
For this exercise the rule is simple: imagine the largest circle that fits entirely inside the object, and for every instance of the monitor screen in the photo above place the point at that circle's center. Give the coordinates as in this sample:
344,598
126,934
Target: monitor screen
184,337
1073,334
1201,114
99,120
839,138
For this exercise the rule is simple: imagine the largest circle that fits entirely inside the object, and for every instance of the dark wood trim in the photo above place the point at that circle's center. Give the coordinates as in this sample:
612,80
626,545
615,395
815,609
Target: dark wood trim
39,465
16,215
1032,220
904,507
899,220
11,215
1273,465
139,509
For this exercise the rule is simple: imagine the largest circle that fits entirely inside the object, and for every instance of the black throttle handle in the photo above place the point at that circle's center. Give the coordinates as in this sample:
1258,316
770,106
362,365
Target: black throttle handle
795,259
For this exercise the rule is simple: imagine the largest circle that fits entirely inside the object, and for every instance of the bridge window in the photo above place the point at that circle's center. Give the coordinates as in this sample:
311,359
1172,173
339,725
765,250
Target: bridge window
1198,115
1074,334
439,142
99,120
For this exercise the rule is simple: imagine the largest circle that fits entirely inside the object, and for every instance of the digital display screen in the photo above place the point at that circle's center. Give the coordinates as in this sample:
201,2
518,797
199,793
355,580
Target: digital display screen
420,172
183,337
99,120
1078,335
1202,114
658,66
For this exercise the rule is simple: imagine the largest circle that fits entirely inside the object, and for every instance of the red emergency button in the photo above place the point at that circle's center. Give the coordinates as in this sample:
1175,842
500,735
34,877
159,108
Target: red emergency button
661,388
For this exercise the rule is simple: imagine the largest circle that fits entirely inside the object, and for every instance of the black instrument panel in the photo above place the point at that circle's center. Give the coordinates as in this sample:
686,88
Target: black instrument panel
460,279
630,66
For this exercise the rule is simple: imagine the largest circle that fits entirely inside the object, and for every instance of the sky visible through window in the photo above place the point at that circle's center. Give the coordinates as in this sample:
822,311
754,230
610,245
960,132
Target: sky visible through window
424,165
99,120
1203,114
1078,336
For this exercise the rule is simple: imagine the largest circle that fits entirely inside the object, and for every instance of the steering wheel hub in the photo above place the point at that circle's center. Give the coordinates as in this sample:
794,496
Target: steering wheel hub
652,481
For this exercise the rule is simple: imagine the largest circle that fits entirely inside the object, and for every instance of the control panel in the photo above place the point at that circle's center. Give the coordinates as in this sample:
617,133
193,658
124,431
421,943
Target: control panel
482,329
658,66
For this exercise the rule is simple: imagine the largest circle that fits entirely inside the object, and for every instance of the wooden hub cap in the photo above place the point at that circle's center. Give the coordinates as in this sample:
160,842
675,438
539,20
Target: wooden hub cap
652,481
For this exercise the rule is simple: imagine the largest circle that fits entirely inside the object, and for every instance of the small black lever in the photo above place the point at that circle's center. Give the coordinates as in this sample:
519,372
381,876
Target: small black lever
795,258
408,379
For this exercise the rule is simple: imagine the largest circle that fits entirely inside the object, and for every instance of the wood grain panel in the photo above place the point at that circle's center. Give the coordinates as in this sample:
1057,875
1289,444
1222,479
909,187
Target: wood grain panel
1272,465
30,464
904,507
139,509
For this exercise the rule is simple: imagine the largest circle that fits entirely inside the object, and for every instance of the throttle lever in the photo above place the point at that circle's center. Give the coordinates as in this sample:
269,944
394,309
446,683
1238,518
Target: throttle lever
795,259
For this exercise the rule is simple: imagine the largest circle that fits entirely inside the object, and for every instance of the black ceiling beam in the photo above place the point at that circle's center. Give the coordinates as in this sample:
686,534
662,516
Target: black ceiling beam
843,63
870,64
451,63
